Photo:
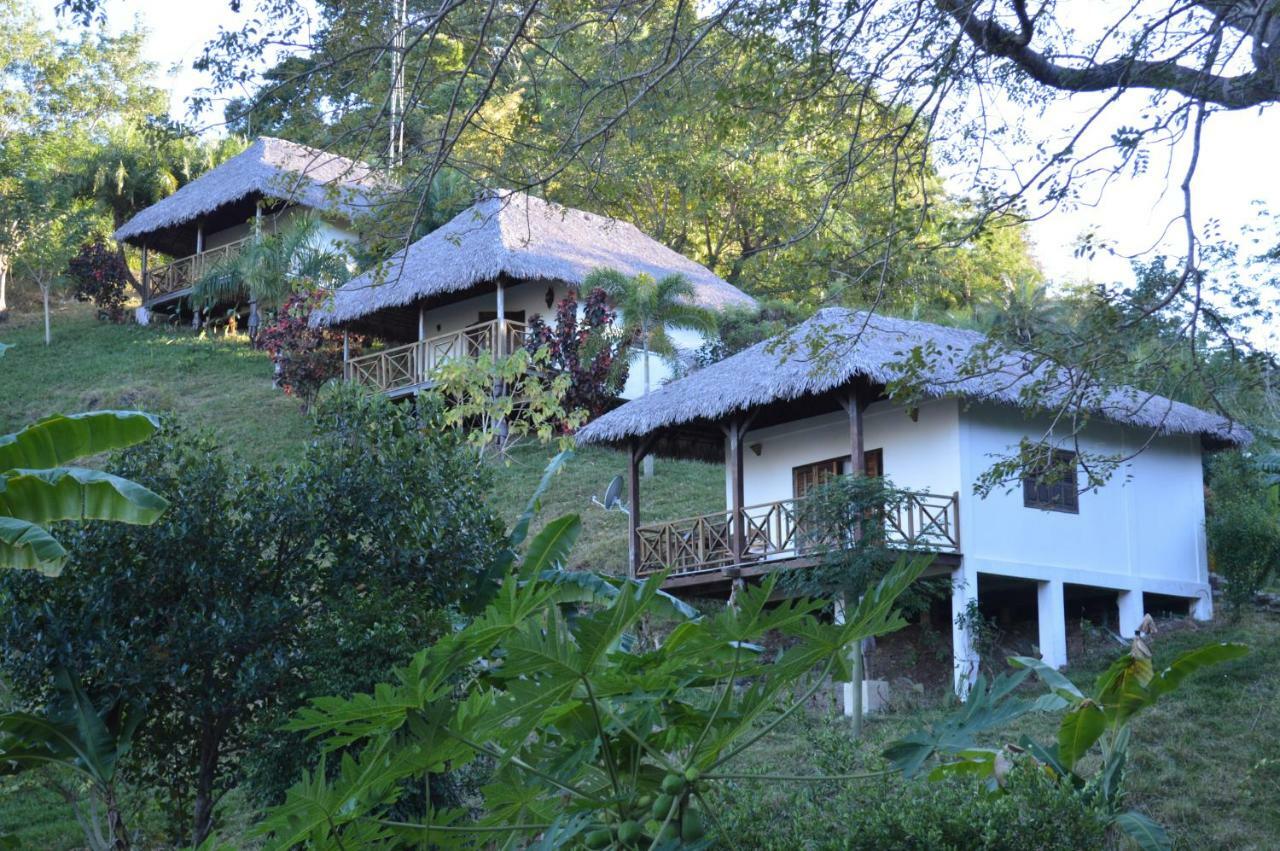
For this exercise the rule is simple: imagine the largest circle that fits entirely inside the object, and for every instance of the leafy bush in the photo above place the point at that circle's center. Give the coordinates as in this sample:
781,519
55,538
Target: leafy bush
1034,812
100,275
1242,526
591,352
255,587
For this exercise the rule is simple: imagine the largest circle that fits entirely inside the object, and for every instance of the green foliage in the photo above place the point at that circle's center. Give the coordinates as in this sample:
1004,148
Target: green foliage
650,308
1102,718
37,488
75,734
596,739
1034,811
496,402
1242,526
255,587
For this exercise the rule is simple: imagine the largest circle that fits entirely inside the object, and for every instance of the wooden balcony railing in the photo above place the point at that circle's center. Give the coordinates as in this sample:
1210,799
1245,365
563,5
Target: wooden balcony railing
921,521
182,273
408,367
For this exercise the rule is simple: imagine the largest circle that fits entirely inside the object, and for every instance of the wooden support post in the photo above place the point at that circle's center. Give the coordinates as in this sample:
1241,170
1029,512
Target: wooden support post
421,359
253,302
500,344
199,272
346,356
146,279
633,506
736,489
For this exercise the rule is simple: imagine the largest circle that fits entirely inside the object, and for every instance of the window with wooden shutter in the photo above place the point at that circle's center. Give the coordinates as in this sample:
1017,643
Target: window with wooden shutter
1051,484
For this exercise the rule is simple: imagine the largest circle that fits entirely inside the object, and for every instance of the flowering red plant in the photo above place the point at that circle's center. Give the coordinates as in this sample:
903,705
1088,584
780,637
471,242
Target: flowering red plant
100,276
588,349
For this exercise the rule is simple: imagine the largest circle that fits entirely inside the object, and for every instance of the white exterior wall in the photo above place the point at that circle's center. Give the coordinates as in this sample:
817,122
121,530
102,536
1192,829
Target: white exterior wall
339,236
921,455
1143,530
531,297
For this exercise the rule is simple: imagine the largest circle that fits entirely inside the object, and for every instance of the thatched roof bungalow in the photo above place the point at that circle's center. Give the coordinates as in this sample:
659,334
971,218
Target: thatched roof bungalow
786,415
205,220
505,258
837,347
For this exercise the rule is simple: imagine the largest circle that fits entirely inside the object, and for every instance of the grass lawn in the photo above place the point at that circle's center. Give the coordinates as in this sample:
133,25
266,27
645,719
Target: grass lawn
218,383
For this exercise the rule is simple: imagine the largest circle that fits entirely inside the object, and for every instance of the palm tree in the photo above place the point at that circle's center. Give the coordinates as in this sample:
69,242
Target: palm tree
648,308
270,268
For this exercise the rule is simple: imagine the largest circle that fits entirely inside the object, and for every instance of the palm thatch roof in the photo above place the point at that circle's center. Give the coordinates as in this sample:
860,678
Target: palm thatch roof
269,168
516,236
836,346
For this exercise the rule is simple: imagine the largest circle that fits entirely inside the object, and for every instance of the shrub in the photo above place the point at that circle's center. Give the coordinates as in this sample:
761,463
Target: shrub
590,352
1033,811
255,587
100,275
1242,527
304,357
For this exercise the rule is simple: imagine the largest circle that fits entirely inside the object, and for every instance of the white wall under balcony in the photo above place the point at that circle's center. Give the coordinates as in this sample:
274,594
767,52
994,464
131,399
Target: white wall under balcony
1143,529
920,455
531,299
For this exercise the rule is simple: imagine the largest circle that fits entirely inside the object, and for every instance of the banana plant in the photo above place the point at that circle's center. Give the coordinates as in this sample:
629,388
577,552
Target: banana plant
1100,718
76,735
37,487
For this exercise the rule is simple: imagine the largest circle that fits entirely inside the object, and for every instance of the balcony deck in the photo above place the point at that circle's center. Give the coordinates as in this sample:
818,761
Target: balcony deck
175,279
404,370
699,551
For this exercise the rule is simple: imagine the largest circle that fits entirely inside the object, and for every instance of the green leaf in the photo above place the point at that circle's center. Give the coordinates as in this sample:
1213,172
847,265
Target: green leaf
550,548
1193,660
26,546
62,438
1146,833
1052,677
1079,729
76,493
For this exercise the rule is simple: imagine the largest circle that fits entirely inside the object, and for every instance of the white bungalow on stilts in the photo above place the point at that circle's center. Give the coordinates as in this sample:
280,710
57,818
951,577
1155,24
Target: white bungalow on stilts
785,414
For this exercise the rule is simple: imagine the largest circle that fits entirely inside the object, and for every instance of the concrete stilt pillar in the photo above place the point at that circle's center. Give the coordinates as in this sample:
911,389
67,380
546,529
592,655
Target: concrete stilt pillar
1202,606
964,589
1131,612
846,689
1052,616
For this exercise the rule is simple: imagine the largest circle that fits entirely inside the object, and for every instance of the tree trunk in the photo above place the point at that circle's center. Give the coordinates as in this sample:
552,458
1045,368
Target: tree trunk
4,280
133,280
116,829
44,293
206,774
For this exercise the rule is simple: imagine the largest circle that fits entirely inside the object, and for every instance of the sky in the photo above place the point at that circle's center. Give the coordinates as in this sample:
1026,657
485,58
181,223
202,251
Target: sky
1238,166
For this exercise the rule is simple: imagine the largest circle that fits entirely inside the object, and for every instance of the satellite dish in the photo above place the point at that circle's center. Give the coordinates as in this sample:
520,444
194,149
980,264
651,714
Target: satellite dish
612,497
613,492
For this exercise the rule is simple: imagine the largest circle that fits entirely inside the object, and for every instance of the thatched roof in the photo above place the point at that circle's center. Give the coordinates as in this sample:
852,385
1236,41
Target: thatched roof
873,346
269,168
516,236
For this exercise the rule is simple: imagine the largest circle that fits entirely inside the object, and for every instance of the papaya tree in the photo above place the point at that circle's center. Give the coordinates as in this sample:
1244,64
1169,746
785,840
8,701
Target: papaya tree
593,735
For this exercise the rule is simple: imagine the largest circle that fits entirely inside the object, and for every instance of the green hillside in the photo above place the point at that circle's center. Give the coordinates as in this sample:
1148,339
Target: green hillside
225,386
